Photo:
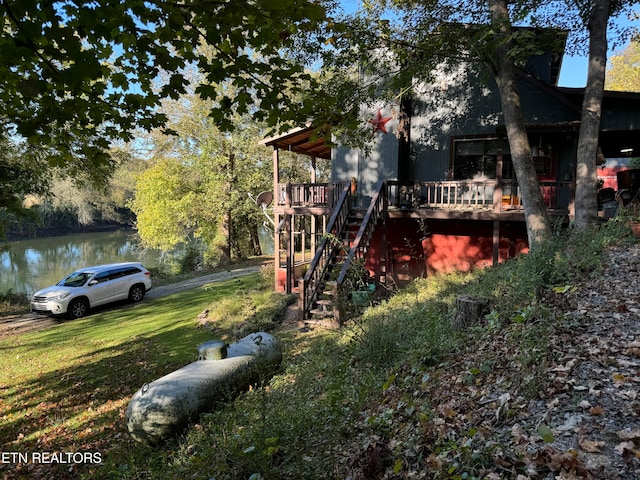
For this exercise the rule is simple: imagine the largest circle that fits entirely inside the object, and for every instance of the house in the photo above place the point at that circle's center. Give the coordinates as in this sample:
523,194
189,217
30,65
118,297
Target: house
437,191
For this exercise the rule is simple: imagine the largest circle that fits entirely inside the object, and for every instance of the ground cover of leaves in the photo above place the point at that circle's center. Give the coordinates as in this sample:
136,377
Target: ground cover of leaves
533,400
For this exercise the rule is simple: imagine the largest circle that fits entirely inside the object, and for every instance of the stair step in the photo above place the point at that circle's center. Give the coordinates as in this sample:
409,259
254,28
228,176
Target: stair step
322,313
325,323
324,302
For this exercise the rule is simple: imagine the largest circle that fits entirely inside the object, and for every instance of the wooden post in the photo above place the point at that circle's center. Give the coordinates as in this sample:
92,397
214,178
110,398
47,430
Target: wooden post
496,241
497,192
289,243
276,217
313,217
301,299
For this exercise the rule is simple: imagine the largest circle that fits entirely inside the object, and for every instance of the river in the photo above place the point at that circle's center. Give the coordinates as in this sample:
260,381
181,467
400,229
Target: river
34,263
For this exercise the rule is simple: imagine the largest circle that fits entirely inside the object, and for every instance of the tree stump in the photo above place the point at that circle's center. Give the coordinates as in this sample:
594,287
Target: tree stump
470,311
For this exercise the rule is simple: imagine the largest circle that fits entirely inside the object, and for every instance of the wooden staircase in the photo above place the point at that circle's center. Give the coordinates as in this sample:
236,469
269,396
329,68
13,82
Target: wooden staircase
349,234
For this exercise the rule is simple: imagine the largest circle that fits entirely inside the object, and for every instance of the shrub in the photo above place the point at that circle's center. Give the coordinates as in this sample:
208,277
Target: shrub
13,303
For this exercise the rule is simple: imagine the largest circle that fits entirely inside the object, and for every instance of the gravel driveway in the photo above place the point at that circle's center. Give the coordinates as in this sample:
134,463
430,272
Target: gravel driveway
165,290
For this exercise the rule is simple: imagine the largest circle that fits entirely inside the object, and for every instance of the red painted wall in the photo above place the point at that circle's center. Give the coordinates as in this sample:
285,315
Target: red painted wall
281,280
451,245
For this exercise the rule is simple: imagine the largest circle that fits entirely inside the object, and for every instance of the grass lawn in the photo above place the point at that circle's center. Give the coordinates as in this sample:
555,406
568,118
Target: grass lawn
66,389
349,400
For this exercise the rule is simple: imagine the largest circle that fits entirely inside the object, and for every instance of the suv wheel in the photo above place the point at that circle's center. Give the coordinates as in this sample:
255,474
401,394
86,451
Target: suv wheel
78,308
136,293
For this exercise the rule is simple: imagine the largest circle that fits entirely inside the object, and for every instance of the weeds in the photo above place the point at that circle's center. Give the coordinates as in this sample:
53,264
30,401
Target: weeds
13,304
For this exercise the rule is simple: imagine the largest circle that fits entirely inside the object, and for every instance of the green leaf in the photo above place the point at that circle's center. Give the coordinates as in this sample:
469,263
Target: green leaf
486,367
565,289
545,433
389,382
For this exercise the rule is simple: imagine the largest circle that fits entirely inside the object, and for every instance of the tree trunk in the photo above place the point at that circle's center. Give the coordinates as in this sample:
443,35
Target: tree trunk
536,216
255,240
586,204
470,311
225,245
226,226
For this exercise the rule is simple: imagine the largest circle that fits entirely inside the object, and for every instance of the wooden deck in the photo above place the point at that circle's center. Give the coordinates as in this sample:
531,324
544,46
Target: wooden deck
467,199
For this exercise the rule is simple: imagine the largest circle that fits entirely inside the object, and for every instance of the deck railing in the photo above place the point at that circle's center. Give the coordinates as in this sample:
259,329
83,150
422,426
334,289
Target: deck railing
374,214
450,194
308,194
472,194
309,287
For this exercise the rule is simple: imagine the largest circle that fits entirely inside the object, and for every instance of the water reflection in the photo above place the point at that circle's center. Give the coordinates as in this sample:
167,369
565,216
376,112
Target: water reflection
35,263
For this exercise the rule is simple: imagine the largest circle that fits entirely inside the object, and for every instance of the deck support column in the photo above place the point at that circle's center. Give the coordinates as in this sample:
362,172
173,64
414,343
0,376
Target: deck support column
275,157
497,192
288,227
314,226
496,241
497,207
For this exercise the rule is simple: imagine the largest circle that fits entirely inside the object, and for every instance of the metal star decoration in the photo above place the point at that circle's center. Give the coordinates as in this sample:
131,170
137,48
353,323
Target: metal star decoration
379,122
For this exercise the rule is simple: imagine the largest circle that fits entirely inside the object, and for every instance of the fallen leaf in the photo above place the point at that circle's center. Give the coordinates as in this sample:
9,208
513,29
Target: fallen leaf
628,435
545,433
625,448
633,352
597,410
519,434
592,446
618,378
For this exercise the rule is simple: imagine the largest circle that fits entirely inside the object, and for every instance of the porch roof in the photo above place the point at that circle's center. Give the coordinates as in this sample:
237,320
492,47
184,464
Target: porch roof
303,140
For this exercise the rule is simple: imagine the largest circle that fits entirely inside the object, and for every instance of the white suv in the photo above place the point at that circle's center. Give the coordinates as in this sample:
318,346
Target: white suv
91,287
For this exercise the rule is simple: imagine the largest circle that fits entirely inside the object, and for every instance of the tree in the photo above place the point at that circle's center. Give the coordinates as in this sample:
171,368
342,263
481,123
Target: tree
537,219
158,204
432,32
22,173
196,189
624,69
590,22
483,33
595,15
78,75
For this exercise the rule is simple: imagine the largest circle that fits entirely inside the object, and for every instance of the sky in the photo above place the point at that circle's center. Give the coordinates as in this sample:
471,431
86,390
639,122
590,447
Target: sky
574,68
573,72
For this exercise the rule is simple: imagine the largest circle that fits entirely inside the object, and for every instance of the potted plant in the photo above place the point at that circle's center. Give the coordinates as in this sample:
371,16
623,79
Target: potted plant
358,284
353,192
630,211
359,281
635,225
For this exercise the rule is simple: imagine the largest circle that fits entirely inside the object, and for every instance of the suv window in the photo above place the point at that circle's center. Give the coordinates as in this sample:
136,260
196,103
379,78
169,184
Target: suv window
102,277
131,271
123,272
76,279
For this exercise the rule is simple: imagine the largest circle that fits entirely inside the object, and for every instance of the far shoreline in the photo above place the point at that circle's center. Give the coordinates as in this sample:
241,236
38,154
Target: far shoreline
58,232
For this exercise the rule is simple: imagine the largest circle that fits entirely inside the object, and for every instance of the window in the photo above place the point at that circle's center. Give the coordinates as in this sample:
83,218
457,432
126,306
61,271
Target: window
102,277
478,158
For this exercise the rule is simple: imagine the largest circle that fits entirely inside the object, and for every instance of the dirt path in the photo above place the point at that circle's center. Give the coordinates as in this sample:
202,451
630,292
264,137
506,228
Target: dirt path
17,324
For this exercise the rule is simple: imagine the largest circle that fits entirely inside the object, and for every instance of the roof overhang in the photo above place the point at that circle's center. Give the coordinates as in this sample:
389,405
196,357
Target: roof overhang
302,140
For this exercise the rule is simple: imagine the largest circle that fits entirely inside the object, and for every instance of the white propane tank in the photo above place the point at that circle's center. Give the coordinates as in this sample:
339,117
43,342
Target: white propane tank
164,407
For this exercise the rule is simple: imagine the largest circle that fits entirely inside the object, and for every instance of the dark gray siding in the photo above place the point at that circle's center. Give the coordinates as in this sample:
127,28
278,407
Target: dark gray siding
381,163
